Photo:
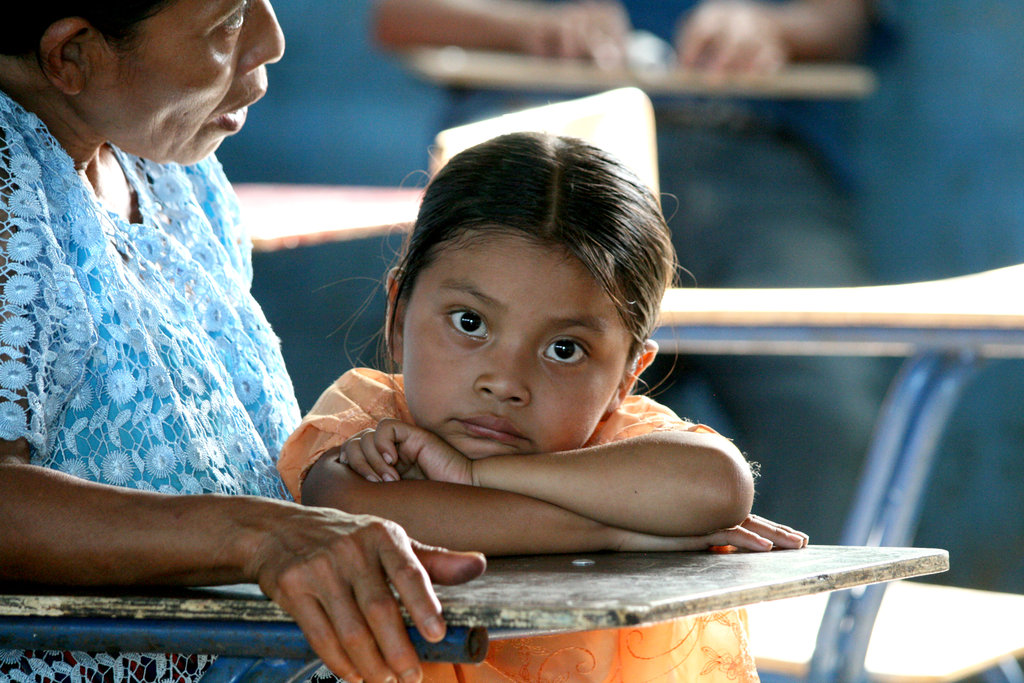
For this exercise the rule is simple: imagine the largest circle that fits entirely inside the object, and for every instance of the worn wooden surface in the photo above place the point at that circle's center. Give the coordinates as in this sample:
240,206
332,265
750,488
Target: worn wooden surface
281,216
620,589
977,311
456,67
550,592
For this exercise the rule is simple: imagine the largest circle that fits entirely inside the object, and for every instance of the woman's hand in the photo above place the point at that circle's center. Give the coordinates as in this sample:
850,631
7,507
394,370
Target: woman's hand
333,573
398,450
732,37
754,533
330,570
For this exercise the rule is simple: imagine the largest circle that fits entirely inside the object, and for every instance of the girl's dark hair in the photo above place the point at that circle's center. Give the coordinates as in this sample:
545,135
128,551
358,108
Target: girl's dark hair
21,30
559,192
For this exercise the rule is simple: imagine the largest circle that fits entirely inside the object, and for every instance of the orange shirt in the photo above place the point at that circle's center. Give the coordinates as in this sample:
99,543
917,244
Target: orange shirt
711,647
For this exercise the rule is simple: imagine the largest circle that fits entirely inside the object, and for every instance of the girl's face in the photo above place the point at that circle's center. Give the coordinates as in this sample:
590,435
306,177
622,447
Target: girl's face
510,347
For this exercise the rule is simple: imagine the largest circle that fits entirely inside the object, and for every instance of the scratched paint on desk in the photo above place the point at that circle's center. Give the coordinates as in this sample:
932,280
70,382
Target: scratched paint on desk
545,592
621,589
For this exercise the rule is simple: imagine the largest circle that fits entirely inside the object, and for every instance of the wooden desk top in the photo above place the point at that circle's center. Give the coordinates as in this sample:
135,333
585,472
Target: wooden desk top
979,310
457,67
549,592
280,216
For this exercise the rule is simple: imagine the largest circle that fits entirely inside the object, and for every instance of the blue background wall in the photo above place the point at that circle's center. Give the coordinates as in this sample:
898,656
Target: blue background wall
940,147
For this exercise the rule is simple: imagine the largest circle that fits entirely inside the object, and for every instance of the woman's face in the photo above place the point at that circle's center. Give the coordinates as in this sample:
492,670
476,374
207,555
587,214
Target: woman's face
188,79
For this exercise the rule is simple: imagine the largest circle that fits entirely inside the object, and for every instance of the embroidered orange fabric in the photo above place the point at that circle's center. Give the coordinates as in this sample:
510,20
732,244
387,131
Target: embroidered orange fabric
711,648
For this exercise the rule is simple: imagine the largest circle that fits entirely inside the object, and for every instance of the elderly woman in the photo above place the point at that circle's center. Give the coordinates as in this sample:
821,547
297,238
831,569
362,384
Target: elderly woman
134,364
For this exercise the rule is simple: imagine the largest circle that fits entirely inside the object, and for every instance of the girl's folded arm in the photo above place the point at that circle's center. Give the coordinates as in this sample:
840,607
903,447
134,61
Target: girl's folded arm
459,517
670,483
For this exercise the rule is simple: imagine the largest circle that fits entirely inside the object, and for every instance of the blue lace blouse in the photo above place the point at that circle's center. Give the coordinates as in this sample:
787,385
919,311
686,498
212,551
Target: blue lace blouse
134,354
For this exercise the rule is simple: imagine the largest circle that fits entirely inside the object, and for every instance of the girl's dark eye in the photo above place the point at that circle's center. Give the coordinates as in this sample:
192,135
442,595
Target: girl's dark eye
564,351
469,323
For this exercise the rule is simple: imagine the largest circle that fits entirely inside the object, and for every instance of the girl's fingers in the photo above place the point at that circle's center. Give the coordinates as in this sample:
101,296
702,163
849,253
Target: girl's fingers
366,460
781,535
355,458
741,538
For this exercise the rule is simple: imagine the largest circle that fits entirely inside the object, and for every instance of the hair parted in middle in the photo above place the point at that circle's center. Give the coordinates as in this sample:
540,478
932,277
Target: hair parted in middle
554,191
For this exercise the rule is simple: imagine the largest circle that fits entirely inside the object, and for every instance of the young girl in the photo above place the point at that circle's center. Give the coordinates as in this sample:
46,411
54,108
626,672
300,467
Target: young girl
521,314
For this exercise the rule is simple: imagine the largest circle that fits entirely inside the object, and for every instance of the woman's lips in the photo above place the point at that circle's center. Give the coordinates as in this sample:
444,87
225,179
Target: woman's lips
233,121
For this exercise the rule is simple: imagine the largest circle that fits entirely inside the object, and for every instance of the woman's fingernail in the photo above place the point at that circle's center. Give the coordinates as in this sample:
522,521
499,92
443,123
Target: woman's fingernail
389,477
434,628
411,675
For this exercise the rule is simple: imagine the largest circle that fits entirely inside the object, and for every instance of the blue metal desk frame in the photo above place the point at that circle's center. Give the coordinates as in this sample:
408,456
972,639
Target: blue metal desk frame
248,651
251,651
901,456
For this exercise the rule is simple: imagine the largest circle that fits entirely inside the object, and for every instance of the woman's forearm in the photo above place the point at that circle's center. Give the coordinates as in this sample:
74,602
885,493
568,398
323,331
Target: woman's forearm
63,530
459,517
666,483
822,29
483,24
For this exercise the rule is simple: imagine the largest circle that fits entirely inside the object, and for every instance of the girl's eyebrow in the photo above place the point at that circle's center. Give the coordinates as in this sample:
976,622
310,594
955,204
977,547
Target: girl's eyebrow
591,322
594,323
467,287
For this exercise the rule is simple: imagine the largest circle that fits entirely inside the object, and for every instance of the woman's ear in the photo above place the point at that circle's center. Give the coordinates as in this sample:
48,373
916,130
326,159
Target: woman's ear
395,317
68,53
632,374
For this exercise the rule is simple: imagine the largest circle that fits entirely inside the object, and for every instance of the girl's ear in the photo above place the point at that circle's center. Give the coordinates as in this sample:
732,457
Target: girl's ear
396,313
70,52
629,379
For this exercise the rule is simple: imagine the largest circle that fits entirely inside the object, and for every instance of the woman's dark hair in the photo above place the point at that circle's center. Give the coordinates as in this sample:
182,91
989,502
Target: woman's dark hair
559,192
21,30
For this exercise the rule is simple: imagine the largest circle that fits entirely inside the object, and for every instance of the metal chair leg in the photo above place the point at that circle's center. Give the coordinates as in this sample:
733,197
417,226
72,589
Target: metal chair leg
888,503
1006,671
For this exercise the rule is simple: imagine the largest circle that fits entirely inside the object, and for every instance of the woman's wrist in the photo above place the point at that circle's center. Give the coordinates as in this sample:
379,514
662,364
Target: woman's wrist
253,526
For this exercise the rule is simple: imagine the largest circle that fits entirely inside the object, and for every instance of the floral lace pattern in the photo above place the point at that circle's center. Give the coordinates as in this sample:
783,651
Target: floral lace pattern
132,354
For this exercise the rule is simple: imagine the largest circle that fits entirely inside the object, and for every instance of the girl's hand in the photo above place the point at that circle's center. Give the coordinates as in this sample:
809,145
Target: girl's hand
398,450
732,37
376,460
755,534
781,536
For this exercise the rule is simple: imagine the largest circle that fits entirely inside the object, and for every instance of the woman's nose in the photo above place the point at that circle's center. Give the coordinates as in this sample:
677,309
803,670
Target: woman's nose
266,39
